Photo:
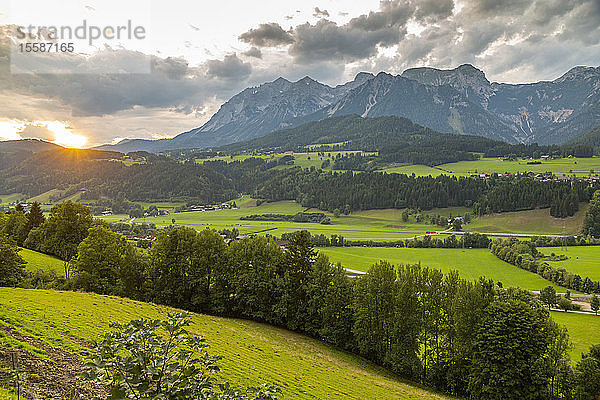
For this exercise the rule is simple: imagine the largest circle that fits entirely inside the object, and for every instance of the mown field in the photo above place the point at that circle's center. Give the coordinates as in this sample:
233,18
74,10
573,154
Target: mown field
304,159
568,166
584,331
470,263
36,261
253,353
583,260
374,224
530,221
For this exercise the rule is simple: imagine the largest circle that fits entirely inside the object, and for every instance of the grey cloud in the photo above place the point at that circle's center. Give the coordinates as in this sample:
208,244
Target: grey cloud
433,10
267,35
231,67
320,13
327,41
253,52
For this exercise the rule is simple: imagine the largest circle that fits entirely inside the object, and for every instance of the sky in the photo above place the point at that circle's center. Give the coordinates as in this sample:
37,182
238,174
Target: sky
188,57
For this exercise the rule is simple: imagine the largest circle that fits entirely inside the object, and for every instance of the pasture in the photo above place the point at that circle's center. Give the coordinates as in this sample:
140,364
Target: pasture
374,224
583,260
584,331
37,261
470,263
253,353
537,221
562,166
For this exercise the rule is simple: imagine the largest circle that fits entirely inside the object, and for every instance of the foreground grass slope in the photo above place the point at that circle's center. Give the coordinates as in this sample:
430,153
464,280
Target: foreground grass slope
253,353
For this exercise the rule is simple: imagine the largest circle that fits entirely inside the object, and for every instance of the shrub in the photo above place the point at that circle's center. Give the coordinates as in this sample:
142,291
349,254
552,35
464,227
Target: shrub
152,359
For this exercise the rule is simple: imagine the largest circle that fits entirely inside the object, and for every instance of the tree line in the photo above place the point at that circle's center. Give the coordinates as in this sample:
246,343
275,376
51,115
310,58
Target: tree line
525,256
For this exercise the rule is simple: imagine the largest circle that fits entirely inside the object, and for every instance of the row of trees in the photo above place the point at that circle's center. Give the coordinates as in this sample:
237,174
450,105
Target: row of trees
524,255
467,240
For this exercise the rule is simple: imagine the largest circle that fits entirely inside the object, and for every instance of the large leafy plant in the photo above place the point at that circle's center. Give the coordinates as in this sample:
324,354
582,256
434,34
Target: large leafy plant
161,360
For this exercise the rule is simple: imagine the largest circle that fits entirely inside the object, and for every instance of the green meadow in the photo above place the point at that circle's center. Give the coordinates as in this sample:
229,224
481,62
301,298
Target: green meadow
36,261
537,221
583,260
470,263
374,224
562,166
253,353
584,331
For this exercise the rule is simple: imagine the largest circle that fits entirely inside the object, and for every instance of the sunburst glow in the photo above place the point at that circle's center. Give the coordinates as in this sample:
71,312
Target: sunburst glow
63,135
60,132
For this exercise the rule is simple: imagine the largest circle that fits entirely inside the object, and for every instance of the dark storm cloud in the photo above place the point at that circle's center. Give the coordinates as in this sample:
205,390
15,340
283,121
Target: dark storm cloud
171,84
231,67
503,37
267,35
325,40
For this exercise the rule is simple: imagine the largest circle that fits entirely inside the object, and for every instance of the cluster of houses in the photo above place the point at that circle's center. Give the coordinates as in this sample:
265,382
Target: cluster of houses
545,177
209,207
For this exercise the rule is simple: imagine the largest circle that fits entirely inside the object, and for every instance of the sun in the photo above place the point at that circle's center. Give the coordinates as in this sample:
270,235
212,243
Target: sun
64,136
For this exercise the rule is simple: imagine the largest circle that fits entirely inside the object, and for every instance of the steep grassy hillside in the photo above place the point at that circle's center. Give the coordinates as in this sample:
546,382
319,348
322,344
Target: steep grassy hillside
43,321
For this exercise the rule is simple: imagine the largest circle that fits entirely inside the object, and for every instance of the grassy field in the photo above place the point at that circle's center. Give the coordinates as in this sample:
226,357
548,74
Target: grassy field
253,353
568,166
9,198
583,260
530,221
374,224
304,159
470,263
584,331
37,261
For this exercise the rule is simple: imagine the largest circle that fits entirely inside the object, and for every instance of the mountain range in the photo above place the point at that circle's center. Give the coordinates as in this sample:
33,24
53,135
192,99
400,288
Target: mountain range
460,100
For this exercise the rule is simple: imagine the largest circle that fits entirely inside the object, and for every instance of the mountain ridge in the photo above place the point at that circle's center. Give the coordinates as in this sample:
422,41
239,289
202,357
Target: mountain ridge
460,100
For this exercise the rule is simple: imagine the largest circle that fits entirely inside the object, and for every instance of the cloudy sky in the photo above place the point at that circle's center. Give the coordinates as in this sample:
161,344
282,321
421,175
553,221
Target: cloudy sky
194,55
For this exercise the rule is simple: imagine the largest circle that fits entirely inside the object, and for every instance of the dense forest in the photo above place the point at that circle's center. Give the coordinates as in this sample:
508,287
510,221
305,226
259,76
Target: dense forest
105,180
468,338
369,190
396,139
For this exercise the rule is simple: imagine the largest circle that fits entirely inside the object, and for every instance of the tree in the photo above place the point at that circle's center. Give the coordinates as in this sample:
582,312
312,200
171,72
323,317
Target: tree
565,304
298,260
12,266
548,296
595,304
15,226
107,264
510,344
65,228
152,359
456,224
591,225
35,216
587,375
256,264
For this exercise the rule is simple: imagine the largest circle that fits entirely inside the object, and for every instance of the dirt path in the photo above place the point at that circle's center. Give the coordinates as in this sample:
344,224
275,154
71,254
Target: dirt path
54,379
